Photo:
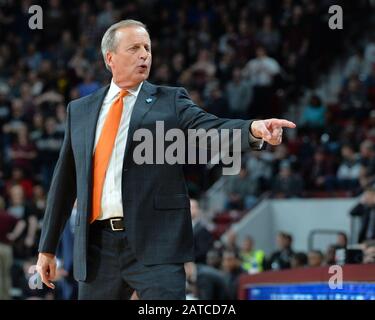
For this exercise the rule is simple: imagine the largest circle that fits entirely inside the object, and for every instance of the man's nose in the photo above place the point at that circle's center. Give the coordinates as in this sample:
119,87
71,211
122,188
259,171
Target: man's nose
144,54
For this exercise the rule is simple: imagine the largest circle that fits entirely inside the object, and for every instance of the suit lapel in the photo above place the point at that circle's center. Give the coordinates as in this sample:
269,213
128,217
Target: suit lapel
93,107
146,98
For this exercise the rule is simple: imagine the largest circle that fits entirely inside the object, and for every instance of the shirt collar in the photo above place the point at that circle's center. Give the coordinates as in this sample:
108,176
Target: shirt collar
114,89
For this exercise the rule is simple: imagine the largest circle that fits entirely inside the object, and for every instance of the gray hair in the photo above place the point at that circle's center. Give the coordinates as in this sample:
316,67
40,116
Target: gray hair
110,40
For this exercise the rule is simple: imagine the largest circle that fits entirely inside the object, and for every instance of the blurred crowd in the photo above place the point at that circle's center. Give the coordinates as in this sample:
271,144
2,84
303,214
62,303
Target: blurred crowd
246,59
219,263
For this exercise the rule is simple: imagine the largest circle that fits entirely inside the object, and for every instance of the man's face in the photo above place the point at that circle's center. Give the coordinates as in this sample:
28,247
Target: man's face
130,63
341,240
281,241
260,52
229,263
346,153
247,245
213,259
315,260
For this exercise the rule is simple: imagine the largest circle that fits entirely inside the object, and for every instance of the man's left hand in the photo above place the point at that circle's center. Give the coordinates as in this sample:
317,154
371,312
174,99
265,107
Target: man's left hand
270,130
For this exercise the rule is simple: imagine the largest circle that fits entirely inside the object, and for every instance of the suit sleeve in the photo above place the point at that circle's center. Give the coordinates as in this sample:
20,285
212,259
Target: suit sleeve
61,195
191,116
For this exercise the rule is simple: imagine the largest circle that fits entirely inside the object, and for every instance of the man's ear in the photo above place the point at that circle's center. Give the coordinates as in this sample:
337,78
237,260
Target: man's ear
108,58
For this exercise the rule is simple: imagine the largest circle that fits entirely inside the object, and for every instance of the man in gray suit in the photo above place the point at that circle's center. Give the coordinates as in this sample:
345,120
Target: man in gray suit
141,235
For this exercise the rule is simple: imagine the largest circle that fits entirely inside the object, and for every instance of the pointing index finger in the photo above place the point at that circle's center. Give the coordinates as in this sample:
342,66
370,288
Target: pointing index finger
284,123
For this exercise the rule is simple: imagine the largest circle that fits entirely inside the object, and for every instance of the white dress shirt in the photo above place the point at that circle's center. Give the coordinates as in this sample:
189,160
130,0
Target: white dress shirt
111,205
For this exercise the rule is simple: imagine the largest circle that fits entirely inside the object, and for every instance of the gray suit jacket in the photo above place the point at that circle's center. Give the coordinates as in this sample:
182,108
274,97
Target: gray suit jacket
155,198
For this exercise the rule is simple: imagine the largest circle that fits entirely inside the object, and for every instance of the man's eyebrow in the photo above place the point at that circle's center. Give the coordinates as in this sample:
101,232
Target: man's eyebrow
139,44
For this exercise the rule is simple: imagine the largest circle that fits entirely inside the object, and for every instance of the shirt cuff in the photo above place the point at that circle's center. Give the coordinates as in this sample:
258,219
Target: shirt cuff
255,143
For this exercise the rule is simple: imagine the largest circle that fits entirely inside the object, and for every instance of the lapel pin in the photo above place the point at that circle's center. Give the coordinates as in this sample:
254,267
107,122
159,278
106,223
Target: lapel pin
148,100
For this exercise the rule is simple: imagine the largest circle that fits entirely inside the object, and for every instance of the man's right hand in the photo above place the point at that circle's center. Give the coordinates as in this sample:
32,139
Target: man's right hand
46,266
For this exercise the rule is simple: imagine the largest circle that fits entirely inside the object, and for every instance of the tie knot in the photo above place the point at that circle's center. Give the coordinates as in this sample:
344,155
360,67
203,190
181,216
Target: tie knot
122,93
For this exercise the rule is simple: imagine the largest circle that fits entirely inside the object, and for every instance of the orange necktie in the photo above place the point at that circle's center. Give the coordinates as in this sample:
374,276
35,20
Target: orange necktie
103,152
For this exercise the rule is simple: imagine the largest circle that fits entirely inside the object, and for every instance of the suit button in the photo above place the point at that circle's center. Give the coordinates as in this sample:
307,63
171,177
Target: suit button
126,169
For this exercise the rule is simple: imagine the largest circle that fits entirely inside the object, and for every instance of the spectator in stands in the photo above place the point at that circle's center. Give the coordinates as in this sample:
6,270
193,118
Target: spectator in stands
370,130
287,184
61,118
205,282
367,151
7,224
23,152
369,252
320,173
341,240
16,120
48,146
280,155
163,74
314,114
33,57
217,102
330,255
366,210
354,100
240,191
357,64
204,64
239,93
23,235
259,168
349,169
37,127
370,50
261,71
268,36
214,258
227,40
203,239
231,240
370,85
298,260
79,63
281,259
178,66
231,265
89,85
315,258
341,243
245,41
38,202
252,259
35,210
18,178
107,16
